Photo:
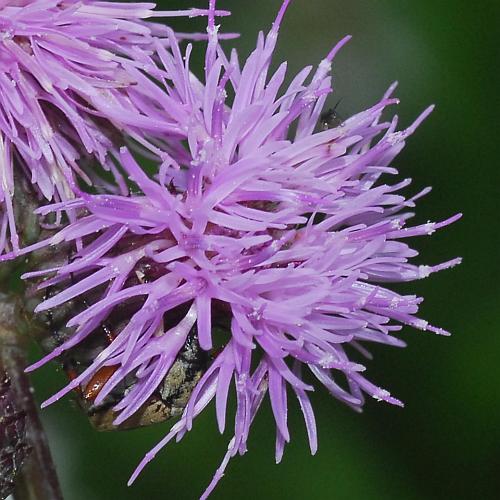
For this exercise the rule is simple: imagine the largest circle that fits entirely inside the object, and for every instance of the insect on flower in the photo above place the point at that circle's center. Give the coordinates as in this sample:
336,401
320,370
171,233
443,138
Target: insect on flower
171,395
331,118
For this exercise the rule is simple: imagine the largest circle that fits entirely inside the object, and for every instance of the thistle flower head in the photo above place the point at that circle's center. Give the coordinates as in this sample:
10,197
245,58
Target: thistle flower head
258,225
65,67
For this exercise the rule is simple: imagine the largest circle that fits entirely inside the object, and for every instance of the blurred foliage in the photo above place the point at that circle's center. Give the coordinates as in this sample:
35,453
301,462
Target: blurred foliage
446,442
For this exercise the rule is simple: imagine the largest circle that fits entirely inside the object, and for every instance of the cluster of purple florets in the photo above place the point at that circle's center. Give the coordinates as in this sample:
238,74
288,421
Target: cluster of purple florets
254,217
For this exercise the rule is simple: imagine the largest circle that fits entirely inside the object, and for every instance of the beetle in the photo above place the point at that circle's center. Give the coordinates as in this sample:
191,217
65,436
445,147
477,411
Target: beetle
50,330
170,397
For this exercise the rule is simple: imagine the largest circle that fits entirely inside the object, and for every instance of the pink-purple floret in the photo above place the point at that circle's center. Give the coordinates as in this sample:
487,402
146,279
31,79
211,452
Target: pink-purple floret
65,65
292,232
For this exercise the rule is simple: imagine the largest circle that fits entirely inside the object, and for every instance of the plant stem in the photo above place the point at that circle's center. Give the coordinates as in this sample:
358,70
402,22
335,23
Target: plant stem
37,479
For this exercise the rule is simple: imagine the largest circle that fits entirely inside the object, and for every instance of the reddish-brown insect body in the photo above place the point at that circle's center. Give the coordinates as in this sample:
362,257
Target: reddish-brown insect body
72,374
100,378
97,382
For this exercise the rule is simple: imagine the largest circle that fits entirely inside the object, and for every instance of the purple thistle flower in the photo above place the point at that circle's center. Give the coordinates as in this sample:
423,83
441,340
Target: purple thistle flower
284,235
65,66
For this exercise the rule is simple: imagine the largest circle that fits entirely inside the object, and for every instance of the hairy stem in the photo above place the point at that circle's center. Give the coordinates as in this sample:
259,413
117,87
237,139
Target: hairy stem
37,479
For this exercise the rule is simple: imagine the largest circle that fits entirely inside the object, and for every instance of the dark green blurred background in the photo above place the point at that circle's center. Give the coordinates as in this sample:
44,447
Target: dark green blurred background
446,442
